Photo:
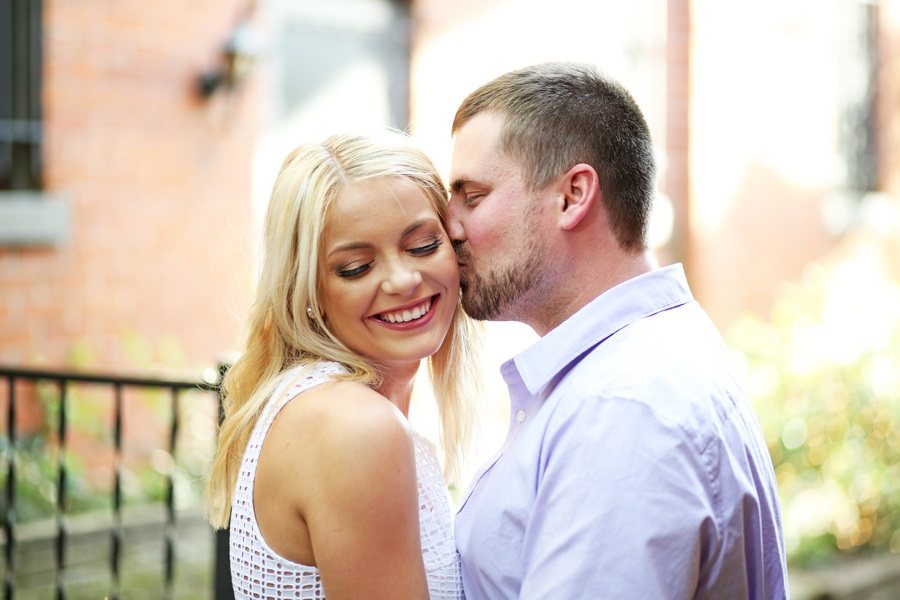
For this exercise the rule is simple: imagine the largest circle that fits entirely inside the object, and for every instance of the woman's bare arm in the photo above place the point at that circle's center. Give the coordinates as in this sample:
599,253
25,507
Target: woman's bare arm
353,482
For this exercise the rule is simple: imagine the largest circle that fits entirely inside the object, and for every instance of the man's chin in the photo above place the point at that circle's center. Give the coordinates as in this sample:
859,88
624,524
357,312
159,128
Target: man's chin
474,309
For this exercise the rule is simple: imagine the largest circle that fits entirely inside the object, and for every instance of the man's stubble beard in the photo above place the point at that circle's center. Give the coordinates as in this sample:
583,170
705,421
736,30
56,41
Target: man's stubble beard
497,295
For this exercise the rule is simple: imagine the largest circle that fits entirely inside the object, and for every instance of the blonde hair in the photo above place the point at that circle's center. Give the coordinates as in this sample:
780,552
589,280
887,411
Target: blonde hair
283,334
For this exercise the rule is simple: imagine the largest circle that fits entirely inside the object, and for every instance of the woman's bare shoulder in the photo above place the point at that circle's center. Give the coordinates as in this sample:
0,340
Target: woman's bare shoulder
342,420
344,405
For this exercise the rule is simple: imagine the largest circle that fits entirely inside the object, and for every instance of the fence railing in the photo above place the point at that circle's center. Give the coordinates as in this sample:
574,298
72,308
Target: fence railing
63,381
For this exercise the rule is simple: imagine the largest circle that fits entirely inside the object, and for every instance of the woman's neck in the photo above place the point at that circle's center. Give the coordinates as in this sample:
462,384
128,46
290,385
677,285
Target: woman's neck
397,385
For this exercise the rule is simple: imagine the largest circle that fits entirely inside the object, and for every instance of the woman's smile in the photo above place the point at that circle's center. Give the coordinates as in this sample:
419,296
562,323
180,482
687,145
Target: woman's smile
409,316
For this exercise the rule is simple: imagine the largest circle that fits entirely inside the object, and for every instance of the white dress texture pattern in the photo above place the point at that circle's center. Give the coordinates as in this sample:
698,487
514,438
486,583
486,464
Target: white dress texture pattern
257,571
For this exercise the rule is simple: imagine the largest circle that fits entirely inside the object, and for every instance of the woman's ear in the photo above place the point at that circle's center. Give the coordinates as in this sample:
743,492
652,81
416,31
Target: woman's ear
578,192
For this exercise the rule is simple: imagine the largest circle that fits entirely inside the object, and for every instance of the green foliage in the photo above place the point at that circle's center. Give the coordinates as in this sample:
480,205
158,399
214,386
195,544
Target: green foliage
822,376
37,468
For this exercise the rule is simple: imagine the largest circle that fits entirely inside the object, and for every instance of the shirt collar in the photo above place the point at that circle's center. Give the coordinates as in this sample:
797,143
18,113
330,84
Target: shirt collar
639,297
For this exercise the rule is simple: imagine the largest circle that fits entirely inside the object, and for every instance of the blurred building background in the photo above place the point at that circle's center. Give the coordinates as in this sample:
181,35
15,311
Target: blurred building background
130,200
124,202
138,143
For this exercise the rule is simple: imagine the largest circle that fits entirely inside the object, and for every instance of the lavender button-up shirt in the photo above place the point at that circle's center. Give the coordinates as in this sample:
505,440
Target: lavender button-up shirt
633,467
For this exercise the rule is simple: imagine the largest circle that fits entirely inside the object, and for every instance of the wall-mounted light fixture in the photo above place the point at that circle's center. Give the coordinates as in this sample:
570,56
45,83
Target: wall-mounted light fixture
238,54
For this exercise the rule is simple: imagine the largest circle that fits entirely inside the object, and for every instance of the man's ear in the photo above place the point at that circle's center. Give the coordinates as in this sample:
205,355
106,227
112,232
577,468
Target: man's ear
578,190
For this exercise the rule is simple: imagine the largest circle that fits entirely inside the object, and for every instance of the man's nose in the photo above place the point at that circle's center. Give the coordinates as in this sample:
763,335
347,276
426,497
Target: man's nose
454,224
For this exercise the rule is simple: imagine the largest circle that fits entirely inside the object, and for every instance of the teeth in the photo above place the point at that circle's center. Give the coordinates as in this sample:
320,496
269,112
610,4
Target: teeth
409,314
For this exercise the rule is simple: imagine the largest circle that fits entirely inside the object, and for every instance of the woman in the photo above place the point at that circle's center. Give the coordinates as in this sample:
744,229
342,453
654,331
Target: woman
325,487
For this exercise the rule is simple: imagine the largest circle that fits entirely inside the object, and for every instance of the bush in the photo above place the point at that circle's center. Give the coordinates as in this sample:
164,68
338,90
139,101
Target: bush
823,377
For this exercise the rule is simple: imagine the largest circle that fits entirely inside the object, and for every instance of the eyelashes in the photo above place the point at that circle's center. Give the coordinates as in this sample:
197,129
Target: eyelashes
353,272
427,248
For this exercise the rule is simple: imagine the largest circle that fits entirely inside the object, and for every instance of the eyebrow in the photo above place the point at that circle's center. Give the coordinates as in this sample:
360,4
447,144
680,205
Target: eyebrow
412,227
458,184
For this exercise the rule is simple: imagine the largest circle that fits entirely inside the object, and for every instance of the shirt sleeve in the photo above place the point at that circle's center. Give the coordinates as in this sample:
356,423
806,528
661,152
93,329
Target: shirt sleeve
624,506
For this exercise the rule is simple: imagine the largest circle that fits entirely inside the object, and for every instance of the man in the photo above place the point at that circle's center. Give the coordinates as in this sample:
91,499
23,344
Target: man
634,466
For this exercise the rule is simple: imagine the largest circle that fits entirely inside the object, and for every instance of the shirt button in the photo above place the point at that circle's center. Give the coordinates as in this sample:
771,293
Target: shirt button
520,416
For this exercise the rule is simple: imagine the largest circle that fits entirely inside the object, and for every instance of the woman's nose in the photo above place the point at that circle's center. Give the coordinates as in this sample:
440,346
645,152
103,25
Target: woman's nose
401,279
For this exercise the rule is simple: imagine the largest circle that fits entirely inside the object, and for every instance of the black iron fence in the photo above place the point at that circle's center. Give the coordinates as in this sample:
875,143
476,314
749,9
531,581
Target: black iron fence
59,420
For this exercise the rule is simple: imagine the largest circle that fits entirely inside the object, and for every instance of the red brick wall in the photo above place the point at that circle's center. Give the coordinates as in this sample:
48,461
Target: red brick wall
157,268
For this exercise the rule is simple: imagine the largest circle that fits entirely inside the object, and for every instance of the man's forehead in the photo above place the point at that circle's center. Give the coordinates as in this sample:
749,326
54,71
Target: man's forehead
477,155
482,129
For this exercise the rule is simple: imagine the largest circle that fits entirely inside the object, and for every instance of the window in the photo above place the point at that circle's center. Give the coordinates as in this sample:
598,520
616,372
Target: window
20,94
28,215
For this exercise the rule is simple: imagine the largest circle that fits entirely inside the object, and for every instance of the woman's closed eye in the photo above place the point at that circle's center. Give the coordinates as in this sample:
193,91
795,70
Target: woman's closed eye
350,271
426,249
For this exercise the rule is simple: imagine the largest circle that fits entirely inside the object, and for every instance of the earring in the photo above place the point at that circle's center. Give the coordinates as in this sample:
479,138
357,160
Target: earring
309,312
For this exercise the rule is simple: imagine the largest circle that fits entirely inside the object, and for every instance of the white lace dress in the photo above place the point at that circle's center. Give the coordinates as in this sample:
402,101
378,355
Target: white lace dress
257,571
